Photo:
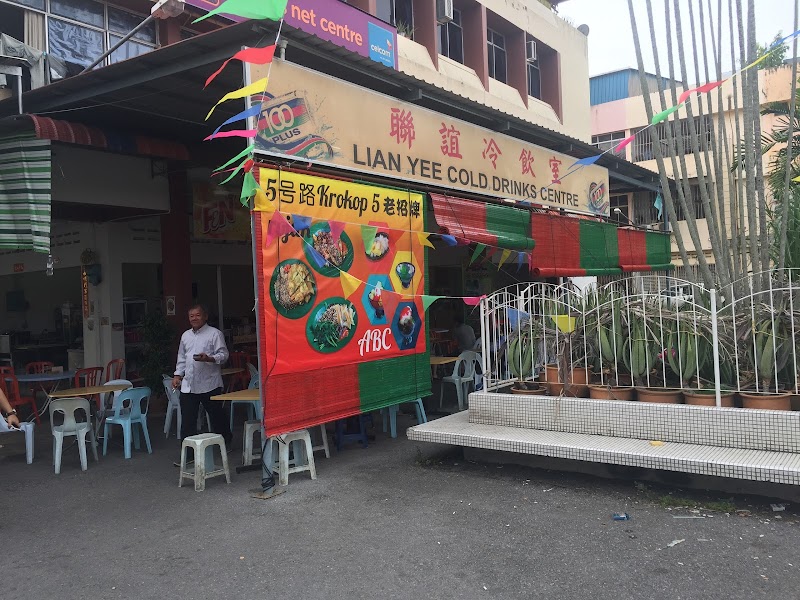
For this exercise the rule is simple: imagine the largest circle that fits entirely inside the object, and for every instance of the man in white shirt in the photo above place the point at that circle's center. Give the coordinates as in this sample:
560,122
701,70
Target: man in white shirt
198,374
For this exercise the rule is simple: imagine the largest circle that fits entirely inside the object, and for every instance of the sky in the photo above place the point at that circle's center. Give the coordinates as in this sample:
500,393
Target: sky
611,41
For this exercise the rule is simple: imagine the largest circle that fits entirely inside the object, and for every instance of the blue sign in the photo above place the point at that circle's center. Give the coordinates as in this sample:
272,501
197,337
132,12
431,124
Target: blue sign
382,45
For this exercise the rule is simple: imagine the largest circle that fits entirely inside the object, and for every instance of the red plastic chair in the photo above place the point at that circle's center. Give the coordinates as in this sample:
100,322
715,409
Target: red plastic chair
10,386
90,377
37,368
114,369
239,381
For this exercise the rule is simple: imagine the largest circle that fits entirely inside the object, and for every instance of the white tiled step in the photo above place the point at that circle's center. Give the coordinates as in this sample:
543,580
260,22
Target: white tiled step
756,465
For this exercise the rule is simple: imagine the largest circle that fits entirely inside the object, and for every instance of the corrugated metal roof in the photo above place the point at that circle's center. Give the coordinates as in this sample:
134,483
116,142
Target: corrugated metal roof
609,87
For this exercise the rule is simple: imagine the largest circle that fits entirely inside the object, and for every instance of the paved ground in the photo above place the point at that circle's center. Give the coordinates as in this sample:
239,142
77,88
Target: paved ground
385,522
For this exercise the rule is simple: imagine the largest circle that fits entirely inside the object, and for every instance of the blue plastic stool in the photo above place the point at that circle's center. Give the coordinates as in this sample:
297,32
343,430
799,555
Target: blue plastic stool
343,436
391,413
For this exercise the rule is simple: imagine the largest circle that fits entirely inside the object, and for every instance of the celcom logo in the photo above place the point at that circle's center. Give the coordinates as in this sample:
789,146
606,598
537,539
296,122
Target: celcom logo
381,45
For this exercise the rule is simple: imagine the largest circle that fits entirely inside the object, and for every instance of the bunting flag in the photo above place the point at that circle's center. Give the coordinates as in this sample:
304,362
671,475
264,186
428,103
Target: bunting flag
489,254
478,249
349,283
300,222
249,9
368,236
249,188
657,118
756,62
503,258
783,40
245,133
265,206
589,160
390,301
235,171
241,154
318,258
707,87
428,300
423,239
796,179
253,111
521,259
473,300
516,317
450,240
278,226
336,227
256,56
248,90
624,142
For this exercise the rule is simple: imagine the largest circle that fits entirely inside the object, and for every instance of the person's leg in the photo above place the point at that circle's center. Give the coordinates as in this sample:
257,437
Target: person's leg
190,405
216,412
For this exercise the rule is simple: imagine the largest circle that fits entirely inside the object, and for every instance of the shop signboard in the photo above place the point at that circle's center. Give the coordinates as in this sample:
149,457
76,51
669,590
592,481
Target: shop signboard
85,293
342,318
338,23
218,217
328,121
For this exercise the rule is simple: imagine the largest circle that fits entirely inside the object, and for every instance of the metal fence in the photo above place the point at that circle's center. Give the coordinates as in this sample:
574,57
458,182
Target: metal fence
645,332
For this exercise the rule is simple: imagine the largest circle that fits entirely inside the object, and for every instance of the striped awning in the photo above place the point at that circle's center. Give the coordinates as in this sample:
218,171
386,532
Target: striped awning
123,143
25,192
491,224
644,250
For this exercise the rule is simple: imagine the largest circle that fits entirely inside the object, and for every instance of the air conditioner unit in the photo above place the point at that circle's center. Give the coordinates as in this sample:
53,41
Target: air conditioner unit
444,11
531,48
657,226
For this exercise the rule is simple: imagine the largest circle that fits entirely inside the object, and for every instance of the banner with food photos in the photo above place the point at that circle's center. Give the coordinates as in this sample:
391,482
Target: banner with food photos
344,283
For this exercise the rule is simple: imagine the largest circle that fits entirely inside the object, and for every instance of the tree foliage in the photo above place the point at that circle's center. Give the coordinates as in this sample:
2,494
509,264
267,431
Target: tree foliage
776,56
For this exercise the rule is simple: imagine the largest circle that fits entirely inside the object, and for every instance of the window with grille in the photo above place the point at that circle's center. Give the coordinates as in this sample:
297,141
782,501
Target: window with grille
496,45
681,138
607,141
80,31
620,202
645,212
694,201
451,38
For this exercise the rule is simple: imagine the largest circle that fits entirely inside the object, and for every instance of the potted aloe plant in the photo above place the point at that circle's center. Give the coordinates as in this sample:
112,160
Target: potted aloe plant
523,354
641,354
607,328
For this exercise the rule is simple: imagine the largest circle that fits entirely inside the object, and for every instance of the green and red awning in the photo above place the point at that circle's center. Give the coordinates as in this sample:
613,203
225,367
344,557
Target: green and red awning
480,222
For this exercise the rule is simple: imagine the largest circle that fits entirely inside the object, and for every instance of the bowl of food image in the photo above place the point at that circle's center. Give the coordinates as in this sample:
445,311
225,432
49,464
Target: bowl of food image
405,272
292,288
380,246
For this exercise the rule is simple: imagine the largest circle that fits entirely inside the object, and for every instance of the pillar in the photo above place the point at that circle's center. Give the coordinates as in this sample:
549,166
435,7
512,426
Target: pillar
176,258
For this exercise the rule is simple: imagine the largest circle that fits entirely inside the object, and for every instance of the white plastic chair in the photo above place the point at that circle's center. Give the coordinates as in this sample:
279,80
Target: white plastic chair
27,429
174,406
71,427
253,375
107,402
463,374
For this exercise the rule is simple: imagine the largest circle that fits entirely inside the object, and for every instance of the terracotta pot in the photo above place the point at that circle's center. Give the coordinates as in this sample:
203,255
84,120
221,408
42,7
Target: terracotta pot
604,392
578,379
764,401
696,398
533,390
662,395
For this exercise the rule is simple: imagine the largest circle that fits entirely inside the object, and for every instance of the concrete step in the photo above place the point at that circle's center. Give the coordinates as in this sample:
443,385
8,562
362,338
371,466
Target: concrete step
736,463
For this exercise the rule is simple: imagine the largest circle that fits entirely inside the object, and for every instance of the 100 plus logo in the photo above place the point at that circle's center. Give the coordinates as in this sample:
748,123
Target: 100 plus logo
284,120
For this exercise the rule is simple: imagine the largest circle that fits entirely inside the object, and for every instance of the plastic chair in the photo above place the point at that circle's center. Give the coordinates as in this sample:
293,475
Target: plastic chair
36,368
477,370
107,401
71,426
173,406
253,408
239,381
463,373
253,375
10,386
390,413
127,412
90,377
27,429
114,369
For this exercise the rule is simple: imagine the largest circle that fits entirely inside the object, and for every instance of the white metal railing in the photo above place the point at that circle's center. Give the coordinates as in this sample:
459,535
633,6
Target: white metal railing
647,331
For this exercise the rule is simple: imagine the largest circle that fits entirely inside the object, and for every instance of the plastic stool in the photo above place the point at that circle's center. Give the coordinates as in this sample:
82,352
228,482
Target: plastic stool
391,413
324,444
303,455
203,447
343,437
249,455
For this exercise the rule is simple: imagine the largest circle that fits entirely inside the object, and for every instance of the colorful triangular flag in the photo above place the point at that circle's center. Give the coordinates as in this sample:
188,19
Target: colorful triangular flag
390,301
256,56
624,142
318,258
278,226
257,87
301,222
450,240
243,133
589,160
428,300
522,258
253,111
336,227
241,155
249,188
349,283
473,300
503,258
706,87
478,249
423,239
796,179
249,9
368,236
657,118
263,204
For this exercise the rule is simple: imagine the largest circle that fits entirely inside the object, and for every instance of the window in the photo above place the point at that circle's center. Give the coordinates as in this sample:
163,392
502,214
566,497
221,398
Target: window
645,211
680,135
534,79
451,38
496,44
621,202
80,31
695,202
399,13
607,141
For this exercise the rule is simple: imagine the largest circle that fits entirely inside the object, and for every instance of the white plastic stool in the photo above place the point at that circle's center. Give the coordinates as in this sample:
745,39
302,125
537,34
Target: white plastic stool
203,447
249,454
27,429
303,455
324,444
